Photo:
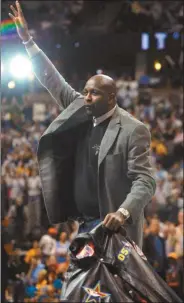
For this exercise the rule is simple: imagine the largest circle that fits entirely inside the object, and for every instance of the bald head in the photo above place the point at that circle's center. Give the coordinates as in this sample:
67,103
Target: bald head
99,95
104,82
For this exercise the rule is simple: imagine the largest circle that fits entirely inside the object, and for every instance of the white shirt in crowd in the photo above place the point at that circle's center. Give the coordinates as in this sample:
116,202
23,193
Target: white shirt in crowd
16,186
47,245
160,195
19,141
34,186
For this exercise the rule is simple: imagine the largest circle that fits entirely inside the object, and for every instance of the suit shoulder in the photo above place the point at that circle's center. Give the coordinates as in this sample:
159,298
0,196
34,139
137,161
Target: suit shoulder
129,121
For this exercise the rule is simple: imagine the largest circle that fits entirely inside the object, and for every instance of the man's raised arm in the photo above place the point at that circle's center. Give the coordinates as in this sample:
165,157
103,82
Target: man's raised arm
44,70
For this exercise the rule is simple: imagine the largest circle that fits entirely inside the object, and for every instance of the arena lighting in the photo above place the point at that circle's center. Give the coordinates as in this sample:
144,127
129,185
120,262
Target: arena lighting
20,67
11,84
157,65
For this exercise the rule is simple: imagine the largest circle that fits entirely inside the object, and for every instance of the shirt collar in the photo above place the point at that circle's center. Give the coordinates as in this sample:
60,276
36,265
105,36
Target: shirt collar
102,118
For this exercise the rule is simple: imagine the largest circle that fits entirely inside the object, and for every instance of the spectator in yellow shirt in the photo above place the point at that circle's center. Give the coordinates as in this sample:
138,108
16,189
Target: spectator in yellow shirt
31,253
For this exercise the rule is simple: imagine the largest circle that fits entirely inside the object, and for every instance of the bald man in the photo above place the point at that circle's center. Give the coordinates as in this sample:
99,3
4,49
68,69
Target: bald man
94,158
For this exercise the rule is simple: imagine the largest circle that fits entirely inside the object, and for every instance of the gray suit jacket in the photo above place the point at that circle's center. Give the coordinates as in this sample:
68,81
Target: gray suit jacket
124,170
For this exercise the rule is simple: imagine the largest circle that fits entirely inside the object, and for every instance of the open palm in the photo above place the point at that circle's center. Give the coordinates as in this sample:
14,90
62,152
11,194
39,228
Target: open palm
20,22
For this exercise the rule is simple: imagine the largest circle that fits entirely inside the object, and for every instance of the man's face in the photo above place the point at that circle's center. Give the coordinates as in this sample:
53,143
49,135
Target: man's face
19,201
155,227
63,236
96,98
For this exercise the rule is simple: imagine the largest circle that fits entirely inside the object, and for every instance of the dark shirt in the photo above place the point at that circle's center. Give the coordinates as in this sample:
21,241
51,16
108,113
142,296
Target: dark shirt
86,170
154,249
19,219
159,256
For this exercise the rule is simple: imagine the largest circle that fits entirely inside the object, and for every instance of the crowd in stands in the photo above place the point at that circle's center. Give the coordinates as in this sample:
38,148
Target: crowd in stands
38,252
75,16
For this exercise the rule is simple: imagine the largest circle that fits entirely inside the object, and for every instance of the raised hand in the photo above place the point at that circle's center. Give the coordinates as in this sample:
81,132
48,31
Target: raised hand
20,22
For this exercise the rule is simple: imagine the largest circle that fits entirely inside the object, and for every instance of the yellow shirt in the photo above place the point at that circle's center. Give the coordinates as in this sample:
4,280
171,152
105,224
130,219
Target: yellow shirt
161,149
41,284
30,254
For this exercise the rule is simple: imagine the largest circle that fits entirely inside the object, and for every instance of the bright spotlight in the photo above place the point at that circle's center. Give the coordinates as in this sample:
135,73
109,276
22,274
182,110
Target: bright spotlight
11,84
2,67
157,66
20,67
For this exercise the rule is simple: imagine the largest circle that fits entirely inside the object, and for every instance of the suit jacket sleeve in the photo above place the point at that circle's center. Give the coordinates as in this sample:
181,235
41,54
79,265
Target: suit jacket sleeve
140,172
52,80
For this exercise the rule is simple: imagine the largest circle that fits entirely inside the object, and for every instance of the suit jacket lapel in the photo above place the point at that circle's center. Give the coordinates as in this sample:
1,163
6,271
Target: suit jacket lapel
75,111
110,136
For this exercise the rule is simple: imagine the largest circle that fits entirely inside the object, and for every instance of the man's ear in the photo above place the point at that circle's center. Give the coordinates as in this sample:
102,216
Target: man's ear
111,98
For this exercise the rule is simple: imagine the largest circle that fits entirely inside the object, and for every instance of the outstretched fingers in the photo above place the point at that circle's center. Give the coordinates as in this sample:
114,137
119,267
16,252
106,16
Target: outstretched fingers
12,17
19,8
14,11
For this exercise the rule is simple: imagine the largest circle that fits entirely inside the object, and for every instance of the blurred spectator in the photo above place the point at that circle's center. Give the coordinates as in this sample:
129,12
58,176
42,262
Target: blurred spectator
62,248
173,277
32,252
41,281
154,248
4,197
34,196
17,216
36,266
48,242
179,235
124,98
170,236
16,185
27,109
74,227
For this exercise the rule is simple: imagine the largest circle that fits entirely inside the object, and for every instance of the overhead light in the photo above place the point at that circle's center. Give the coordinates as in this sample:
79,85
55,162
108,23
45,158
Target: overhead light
157,65
20,67
11,84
